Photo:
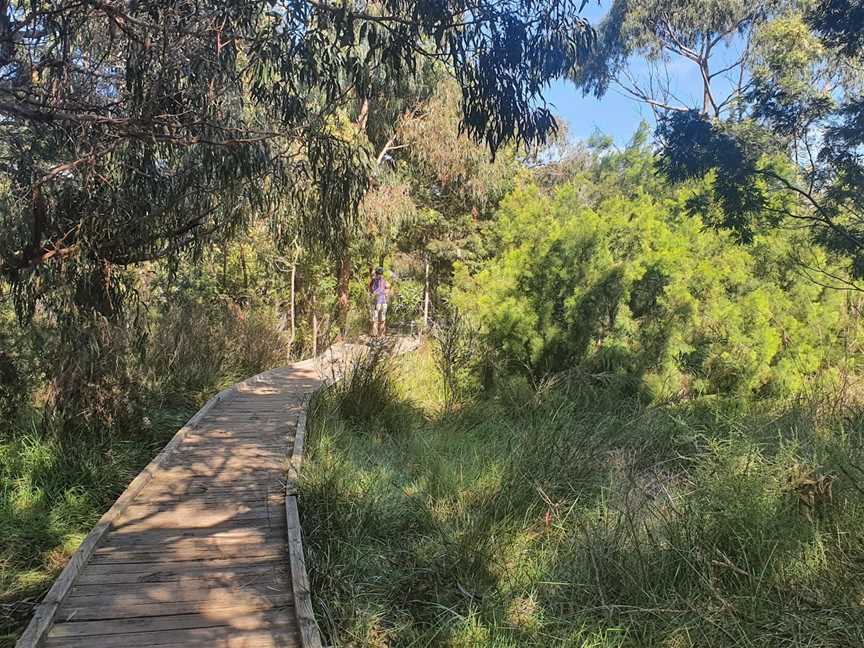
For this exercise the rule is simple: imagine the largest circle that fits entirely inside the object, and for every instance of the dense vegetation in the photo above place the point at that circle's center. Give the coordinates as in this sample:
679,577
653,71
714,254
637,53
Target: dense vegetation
576,515
62,464
631,430
636,421
89,395
607,272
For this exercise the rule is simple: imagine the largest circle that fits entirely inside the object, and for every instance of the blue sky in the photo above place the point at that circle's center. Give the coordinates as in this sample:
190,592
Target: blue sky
617,114
614,114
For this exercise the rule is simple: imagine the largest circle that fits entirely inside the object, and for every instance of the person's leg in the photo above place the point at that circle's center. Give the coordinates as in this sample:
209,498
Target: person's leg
382,321
374,318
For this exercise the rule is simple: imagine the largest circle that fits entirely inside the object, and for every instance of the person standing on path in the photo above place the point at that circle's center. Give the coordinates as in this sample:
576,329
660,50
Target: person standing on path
380,292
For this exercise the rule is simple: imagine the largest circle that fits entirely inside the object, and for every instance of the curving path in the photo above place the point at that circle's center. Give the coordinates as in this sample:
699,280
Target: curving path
203,548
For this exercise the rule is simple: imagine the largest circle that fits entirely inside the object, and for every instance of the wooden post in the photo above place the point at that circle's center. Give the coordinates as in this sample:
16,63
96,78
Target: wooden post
343,288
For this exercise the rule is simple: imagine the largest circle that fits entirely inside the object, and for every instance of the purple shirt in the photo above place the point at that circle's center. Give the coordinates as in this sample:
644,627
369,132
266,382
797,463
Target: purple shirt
379,290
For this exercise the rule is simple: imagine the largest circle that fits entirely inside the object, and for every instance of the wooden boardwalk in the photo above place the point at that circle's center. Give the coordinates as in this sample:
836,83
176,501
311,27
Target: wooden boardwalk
194,553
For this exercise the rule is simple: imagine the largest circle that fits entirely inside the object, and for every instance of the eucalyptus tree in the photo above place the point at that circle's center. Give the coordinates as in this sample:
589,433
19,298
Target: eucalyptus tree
434,187
644,46
793,154
135,130
377,117
777,123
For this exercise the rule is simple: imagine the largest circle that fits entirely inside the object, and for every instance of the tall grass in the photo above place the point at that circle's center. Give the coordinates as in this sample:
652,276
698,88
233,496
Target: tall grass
53,489
367,395
576,518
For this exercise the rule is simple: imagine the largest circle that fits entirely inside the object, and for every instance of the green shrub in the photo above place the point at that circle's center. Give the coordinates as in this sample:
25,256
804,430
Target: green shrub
620,282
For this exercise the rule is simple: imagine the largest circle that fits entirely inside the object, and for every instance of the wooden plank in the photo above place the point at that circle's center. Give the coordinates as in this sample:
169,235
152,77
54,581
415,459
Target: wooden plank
230,545
184,566
194,484
233,458
110,608
250,412
171,521
249,532
225,466
246,591
189,590
44,614
245,476
228,434
215,637
188,508
259,479
259,620
275,445
273,497
310,635
243,429
224,444
168,574
255,550
223,499
154,553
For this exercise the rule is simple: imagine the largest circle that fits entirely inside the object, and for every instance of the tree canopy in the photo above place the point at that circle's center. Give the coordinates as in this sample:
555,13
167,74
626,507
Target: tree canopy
138,130
778,126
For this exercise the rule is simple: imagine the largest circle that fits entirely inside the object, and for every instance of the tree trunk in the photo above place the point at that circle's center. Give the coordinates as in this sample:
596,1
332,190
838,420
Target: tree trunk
426,296
314,327
291,311
225,268
244,299
343,287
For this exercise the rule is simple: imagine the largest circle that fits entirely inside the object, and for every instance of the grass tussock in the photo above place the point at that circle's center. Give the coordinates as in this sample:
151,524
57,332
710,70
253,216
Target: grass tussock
573,517
367,396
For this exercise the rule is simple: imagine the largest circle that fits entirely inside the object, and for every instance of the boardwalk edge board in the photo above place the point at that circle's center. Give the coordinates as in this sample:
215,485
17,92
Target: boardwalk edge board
310,634
43,617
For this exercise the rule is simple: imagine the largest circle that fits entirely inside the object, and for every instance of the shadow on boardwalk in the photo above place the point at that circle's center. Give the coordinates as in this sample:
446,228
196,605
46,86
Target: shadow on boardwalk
197,557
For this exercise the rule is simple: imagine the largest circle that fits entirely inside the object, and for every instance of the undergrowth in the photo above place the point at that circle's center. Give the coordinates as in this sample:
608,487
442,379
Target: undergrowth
572,516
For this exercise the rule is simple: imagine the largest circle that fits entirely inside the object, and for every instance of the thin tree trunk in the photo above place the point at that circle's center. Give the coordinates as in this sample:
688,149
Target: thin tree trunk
291,311
245,271
224,268
426,296
343,287
314,327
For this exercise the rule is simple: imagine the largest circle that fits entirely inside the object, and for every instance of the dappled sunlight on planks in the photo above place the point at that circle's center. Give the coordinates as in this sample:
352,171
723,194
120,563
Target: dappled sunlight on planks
198,557
194,552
